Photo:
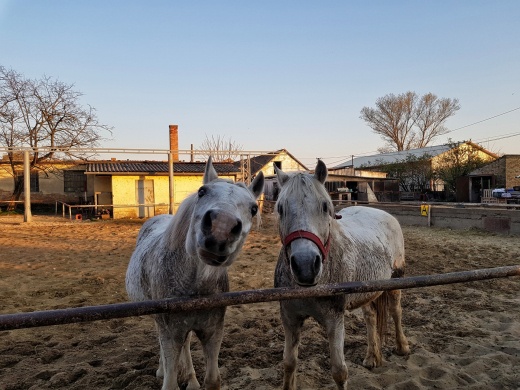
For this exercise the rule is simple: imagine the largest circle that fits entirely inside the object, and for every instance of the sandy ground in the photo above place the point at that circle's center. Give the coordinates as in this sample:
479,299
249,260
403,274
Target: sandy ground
463,336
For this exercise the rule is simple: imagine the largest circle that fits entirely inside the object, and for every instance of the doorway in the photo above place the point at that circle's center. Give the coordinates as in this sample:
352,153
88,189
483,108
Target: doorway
145,198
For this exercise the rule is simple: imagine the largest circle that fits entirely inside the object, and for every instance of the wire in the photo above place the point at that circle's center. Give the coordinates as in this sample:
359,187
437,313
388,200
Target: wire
344,158
498,137
483,120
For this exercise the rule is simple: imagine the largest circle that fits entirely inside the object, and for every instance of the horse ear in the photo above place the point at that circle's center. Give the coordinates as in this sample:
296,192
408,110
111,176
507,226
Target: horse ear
257,186
320,173
210,173
282,176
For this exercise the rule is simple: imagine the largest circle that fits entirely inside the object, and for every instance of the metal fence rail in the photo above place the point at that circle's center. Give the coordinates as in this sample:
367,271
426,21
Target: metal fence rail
121,310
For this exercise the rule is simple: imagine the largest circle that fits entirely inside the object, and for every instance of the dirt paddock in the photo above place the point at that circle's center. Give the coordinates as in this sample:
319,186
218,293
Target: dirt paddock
463,336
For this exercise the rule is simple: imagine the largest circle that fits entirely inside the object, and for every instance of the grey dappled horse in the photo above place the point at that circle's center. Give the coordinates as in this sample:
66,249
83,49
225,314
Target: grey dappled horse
187,255
321,247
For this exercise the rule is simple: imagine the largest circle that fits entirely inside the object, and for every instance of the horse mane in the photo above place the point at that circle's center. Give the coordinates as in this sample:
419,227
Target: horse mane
182,219
298,186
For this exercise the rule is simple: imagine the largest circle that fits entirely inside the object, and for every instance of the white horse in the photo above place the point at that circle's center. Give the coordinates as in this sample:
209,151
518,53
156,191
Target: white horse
187,255
321,247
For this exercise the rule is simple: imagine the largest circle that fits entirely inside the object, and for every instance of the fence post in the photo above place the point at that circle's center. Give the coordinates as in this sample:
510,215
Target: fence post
171,184
27,216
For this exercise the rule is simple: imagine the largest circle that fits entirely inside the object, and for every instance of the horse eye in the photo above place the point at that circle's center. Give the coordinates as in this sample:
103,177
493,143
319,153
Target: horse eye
325,207
202,192
254,210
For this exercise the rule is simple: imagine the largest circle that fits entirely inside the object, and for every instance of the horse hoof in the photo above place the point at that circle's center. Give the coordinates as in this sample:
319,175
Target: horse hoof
371,362
402,351
193,385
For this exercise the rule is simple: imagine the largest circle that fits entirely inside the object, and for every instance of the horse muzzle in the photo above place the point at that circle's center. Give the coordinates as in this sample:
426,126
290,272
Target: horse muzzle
306,254
219,237
306,267
213,259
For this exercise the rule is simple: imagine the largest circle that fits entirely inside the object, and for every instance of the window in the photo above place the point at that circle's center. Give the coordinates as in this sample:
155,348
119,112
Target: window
35,181
277,164
74,181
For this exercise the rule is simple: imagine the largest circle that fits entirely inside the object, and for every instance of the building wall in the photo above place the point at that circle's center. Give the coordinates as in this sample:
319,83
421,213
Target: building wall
288,165
505,170
438,160
51,185
512,170
358,172
124,192
496,168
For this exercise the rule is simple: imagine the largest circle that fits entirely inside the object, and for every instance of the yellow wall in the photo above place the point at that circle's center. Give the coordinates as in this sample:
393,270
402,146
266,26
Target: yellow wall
124,192
438,160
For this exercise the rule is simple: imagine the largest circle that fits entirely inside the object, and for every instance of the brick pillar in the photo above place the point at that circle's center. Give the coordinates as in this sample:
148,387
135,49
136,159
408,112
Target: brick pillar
174,141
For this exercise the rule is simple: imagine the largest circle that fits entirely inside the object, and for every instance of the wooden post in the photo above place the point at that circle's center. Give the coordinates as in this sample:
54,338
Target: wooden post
171,177
27,216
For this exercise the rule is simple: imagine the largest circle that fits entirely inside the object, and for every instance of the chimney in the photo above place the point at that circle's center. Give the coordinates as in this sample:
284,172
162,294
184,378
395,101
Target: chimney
174,142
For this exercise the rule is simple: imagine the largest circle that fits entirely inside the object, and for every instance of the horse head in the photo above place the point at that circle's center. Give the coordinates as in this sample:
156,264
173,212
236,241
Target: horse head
305,212
222,217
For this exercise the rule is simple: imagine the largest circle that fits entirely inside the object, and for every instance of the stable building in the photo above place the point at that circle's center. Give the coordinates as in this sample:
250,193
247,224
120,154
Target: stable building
140,189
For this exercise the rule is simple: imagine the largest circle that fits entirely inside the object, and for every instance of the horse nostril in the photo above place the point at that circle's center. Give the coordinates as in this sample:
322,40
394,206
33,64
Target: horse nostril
317,264
294,264
237,229
207,221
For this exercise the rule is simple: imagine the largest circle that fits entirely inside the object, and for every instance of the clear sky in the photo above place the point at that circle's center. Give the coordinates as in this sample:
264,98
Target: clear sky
273,74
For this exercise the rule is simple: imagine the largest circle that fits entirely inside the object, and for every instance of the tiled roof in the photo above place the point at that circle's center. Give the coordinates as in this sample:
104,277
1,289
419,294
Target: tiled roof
156,167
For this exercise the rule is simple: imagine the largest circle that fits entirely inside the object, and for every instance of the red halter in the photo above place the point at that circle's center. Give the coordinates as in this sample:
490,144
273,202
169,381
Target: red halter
324,249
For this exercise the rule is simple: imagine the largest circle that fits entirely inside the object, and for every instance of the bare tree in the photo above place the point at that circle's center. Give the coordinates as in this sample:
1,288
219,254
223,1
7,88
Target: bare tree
431,113
220,149
42,113
407,121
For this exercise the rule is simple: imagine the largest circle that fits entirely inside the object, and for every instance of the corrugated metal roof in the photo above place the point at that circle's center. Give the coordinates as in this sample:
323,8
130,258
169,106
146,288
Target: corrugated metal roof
129,167
387,158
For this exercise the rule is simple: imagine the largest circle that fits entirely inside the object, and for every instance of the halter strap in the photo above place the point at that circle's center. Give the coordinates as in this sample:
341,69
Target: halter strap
324,249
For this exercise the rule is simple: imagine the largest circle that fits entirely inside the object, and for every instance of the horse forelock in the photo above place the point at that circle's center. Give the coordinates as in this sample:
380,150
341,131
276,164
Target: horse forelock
301,189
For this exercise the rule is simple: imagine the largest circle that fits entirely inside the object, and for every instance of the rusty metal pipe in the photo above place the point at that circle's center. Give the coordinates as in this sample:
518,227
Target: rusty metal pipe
129,309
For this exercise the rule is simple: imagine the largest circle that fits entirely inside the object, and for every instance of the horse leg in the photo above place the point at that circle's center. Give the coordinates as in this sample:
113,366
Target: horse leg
336,333
211,340
292,328
373,357
402,347
187,372
160,371
169,360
